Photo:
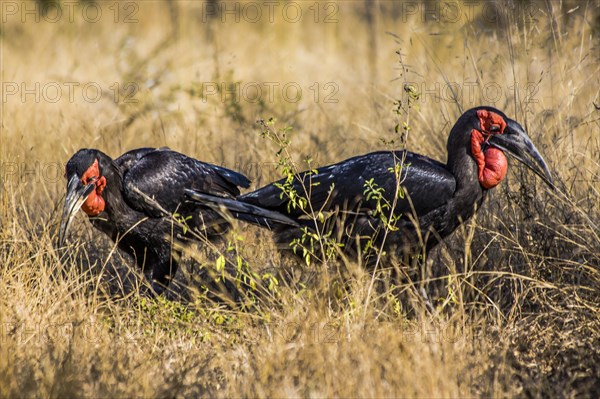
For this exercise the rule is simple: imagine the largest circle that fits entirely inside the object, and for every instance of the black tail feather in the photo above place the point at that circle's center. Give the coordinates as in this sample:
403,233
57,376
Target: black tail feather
242,211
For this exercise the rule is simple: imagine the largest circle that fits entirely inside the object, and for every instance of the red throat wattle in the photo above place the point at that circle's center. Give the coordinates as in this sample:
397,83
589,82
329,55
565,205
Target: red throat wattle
94,204
492,164
495,168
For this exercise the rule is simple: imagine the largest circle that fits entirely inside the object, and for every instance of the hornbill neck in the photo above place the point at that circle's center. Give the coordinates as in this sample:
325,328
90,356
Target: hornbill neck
464,168
116,209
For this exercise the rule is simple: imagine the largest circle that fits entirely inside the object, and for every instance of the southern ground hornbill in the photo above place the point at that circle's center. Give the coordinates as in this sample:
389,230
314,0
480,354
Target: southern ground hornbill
353,199
134,198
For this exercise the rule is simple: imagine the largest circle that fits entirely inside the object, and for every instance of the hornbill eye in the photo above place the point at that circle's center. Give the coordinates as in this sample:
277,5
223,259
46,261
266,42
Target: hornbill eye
494,129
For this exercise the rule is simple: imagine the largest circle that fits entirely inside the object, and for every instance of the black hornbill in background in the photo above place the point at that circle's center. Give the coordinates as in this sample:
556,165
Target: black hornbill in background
134,198
437,197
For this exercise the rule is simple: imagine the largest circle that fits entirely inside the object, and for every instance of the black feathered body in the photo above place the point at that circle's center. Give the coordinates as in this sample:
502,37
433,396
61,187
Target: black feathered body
143,187
357,202
340,193
434,197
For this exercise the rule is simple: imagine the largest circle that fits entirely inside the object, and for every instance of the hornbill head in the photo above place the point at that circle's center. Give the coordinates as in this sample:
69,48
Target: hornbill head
85,184
492,134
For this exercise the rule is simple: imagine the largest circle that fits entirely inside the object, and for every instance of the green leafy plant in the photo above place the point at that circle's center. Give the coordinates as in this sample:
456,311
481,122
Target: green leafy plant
317,241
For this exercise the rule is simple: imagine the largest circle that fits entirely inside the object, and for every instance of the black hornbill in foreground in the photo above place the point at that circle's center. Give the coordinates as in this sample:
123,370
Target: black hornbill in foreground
437,197
133,200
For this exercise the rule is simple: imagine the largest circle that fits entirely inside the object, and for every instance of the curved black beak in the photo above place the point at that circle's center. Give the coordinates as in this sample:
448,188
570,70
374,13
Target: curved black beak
77,193
517,143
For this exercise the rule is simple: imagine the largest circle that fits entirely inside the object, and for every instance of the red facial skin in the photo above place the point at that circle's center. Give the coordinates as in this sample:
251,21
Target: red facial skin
94,204
491,163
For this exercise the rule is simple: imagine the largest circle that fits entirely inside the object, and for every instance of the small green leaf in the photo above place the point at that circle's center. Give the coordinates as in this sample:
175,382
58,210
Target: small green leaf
220,264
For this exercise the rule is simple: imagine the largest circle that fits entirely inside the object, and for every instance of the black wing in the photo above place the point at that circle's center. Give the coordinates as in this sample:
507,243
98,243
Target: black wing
164,175
427,183
130,158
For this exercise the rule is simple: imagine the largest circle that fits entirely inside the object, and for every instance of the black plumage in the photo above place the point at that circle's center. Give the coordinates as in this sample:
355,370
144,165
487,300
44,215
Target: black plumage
433,200
339,192
140,192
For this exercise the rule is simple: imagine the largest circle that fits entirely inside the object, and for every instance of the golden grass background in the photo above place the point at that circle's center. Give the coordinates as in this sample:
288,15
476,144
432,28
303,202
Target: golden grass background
509,306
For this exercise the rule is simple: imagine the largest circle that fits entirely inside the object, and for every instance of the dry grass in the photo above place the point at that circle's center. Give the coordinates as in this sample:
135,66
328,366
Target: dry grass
509,306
